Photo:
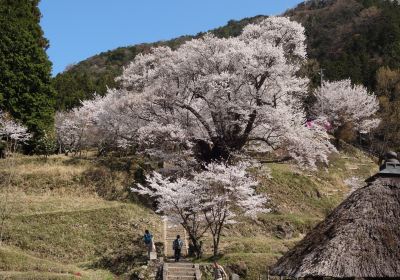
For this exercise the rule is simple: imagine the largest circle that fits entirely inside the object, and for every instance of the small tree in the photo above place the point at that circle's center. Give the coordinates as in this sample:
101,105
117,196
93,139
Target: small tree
227,190
181,201
346,107
46,145
12,133
387,136
210,199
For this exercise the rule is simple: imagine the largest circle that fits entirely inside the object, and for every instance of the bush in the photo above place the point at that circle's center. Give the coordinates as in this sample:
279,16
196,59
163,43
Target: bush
45,145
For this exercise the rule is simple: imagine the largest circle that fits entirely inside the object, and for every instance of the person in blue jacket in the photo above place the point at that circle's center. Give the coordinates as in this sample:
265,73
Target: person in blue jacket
149,242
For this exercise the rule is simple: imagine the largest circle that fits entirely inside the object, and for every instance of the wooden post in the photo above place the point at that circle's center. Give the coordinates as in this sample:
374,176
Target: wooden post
165,237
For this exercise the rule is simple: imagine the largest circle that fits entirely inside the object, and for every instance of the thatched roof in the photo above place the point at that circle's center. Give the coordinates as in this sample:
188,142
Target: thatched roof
360,238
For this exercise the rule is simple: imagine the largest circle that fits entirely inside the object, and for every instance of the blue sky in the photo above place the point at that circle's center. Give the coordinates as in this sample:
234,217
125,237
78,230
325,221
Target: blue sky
78,29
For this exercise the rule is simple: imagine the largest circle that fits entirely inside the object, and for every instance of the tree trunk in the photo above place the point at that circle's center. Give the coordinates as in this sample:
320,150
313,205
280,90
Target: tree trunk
197,247
215,248
206,153
220,151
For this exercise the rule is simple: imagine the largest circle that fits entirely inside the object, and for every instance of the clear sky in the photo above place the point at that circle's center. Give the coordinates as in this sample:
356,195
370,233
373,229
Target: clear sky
78,29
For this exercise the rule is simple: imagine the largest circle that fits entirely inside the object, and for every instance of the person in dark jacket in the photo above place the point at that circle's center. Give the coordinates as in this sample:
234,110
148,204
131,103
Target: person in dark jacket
177,247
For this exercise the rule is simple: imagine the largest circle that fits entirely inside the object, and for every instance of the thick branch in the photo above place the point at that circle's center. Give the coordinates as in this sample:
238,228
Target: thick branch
261,139
249,126
199,117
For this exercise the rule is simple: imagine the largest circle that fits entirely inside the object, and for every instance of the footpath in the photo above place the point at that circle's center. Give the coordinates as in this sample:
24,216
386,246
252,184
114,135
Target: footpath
183,270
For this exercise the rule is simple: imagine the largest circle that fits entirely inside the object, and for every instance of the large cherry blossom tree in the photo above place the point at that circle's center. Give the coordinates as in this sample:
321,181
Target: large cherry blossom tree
228,94
214,97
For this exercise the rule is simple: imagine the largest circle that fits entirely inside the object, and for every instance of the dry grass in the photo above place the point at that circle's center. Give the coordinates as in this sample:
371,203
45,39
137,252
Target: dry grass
300,199
16,264
59,224
66,212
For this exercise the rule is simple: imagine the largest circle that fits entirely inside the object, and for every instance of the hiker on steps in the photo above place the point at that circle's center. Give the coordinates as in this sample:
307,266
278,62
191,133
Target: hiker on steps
148,240
219,272
177,247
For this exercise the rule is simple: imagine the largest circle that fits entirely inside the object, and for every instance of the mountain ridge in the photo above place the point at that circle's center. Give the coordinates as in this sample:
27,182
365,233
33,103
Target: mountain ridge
347,38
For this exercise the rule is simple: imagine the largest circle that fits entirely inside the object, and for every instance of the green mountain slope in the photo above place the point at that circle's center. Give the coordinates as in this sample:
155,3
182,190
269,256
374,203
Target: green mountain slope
352,38
348,38
95,74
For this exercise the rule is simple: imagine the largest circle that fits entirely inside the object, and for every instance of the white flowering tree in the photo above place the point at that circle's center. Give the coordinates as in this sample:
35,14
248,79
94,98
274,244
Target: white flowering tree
76,129
180,200
214,97
342,103
229,94
209,200
12,132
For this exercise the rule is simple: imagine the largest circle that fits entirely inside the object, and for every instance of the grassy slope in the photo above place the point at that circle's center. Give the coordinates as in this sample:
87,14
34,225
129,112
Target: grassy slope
299,199
60,226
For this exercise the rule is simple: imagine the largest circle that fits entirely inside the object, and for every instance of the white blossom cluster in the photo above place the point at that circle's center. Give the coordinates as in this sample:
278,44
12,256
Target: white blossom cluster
218,186
12,131
341,102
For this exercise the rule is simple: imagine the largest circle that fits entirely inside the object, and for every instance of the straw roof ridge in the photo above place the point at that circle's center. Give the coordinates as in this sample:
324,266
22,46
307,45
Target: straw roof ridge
360,238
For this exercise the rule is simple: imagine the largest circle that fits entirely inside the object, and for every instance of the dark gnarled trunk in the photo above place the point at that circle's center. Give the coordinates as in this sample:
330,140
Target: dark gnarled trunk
219,150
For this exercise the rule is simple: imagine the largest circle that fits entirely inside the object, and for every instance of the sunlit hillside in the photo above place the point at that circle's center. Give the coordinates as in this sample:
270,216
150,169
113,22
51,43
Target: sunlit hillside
75,215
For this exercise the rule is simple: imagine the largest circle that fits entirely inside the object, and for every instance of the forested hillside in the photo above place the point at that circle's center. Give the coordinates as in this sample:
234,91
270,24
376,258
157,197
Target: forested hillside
359,39
352,38
79,82
348,38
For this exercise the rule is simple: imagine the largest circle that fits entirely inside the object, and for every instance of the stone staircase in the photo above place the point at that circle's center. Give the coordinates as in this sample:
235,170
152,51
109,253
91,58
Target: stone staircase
181,271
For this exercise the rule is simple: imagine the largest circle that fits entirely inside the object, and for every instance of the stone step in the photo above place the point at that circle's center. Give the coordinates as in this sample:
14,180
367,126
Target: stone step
181,264
177,268
181,267
182,273
181,277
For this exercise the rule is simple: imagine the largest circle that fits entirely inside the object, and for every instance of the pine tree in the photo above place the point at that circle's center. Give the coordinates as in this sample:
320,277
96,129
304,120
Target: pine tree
25,70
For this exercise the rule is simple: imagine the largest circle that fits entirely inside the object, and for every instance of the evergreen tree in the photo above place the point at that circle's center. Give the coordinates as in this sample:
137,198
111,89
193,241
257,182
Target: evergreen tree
25,70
